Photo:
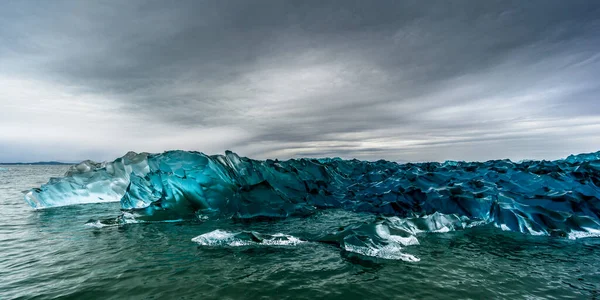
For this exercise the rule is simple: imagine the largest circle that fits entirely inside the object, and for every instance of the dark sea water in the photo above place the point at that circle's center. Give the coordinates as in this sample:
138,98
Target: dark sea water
52,253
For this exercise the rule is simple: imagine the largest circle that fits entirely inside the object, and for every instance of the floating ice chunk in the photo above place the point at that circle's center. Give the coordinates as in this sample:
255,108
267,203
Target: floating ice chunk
220,238
96,224
573,235
385,252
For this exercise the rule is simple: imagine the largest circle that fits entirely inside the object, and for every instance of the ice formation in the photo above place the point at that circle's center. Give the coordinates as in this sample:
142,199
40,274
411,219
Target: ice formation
559,198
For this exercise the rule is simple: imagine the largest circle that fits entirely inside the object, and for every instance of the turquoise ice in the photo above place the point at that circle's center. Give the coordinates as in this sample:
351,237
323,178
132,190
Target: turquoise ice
559,197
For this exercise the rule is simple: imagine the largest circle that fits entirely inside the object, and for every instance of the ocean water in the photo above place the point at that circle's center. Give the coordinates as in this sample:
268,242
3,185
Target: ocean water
63,253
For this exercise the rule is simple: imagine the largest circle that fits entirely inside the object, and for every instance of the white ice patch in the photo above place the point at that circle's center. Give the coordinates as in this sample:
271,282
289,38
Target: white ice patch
436,223
220,238
383,245
390,251
573,235
396,233
280,239
96,224
384,232
129,218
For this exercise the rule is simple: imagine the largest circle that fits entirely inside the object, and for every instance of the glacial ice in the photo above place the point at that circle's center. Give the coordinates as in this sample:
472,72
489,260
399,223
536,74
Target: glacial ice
90,182
559,198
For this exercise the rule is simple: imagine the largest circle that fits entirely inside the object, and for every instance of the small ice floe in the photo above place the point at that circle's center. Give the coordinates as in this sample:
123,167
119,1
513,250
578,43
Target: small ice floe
220,238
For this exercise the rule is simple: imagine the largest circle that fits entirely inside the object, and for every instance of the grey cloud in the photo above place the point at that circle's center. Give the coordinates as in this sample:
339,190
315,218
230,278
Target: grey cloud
402,80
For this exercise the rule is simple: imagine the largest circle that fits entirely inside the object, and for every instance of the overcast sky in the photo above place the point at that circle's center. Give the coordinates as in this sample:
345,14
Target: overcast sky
399,80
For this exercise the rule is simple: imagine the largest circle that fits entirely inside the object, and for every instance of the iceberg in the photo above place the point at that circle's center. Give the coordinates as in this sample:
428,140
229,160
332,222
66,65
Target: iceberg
558,198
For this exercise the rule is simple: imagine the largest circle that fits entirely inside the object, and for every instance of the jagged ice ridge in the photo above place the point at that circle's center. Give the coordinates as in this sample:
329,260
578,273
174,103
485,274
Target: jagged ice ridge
538,197
560,198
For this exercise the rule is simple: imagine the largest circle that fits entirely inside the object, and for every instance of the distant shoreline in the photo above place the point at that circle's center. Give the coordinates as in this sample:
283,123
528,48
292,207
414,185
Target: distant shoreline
38,163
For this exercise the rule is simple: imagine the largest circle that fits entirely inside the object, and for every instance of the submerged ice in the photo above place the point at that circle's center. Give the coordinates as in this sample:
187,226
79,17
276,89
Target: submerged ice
560,198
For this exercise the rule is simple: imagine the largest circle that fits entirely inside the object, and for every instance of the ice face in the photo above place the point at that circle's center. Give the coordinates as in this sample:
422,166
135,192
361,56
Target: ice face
90,182
537,197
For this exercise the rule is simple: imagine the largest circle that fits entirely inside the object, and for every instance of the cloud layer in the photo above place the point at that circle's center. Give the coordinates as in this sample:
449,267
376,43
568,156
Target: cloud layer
400,80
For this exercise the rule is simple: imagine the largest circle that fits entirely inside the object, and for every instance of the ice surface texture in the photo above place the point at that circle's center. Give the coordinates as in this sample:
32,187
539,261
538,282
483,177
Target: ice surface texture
90,182
537,197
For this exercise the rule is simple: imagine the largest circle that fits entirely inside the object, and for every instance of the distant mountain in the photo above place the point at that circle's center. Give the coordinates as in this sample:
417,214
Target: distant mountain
36,163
